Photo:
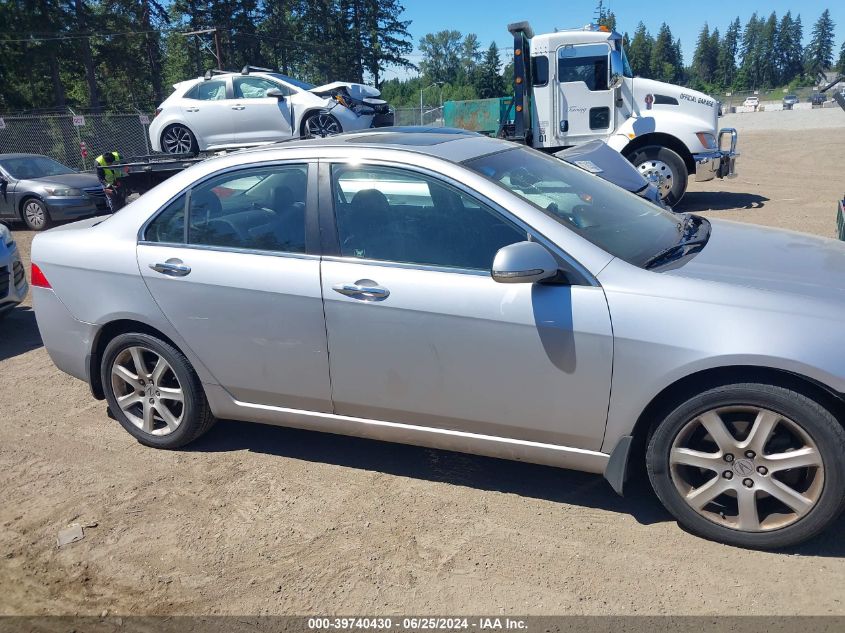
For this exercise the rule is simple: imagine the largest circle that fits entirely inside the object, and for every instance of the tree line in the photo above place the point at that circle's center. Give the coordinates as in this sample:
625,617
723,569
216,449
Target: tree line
766,52
121,55
124,54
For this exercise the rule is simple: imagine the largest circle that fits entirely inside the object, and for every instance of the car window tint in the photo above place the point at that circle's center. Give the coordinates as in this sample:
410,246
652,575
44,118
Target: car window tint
208,91
255,88
169,225
256,209
398,216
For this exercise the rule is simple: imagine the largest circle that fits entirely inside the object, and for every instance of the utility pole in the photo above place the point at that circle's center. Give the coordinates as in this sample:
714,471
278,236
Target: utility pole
203,44
217,47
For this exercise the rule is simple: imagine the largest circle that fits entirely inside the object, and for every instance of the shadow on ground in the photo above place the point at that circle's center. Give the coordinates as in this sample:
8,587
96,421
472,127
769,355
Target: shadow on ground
695,201
18,333
483,473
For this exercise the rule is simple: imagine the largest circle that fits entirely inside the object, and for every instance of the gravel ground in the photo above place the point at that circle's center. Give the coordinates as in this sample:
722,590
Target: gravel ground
255,519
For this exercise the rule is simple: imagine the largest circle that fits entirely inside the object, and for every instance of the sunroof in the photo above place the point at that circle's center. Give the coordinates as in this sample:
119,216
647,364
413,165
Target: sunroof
402,138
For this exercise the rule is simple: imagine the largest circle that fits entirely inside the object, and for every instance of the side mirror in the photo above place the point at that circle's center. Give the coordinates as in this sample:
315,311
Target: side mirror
275,92
617,70
523,263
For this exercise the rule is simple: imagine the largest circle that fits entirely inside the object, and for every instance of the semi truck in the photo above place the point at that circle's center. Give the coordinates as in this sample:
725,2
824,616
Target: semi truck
574,86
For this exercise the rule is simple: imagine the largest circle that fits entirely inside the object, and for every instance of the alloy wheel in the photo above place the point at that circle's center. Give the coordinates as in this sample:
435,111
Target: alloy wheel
177,140
35,215
321,125
147,390
747,468
659,173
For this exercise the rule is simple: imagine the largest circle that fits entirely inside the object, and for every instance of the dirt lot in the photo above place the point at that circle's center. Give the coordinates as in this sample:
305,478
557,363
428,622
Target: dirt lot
256,519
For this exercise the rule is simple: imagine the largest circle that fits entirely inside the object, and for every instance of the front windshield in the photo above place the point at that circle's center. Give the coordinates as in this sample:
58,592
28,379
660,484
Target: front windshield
25,167
626,66
621,223
302,85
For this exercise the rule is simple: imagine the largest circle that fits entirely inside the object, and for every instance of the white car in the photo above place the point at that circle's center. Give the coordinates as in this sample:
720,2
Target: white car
225,110
751,102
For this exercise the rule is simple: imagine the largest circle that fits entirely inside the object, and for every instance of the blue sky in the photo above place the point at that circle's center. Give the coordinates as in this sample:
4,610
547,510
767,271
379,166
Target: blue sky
489,18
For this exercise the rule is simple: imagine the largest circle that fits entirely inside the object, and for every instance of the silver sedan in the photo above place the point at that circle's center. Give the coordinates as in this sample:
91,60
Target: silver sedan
466,293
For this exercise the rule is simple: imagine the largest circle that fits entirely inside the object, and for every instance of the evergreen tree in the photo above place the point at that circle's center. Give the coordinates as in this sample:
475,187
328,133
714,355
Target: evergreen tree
441,56
704,58
818,56
490,83
726,61
766,52
840,65
749,68
666,58
639,51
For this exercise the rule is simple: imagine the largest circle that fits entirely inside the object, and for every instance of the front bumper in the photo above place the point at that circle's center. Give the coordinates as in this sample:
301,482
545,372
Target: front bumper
75,208
383,119
13,284
720,163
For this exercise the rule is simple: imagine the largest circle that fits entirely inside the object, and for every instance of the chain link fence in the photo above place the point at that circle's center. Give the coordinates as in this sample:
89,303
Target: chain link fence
76,140
775,96
428,116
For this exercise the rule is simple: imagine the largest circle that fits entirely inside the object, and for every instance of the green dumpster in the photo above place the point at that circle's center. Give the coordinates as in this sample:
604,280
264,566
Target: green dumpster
479,115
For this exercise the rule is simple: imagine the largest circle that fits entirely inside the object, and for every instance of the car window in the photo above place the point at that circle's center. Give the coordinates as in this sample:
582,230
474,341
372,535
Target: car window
256,88
257,209
208,91
394,215
622,223
34,167
587,63
169,225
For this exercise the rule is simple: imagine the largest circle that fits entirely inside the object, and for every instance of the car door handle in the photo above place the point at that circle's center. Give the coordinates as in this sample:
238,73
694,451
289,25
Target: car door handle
192,109
238,107
362,291
172,267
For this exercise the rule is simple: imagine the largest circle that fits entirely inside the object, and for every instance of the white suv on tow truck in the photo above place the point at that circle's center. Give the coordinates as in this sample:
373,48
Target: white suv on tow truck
223,110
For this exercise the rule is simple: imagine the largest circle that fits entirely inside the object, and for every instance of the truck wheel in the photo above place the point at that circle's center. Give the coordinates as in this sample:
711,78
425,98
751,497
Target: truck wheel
665,168
177,139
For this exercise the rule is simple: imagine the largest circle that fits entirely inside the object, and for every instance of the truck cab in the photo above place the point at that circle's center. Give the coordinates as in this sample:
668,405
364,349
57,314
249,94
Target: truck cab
574,86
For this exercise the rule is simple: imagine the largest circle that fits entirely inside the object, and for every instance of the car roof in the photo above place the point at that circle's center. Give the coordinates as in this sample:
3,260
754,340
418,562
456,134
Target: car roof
20,155
449,144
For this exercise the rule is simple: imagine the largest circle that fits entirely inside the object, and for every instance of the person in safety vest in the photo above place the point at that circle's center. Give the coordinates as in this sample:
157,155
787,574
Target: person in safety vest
110,179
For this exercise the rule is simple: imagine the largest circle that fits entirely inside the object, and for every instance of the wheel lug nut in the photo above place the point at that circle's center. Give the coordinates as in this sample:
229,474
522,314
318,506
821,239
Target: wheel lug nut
762,470
157,393
152,401
749,454
728,458
747,483
727,474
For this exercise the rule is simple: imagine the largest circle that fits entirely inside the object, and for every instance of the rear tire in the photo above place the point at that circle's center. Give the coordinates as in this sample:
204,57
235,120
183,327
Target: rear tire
714,460
153,391
665,168
178,139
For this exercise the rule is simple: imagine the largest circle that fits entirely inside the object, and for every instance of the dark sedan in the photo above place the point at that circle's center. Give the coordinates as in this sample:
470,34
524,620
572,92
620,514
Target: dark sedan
40,191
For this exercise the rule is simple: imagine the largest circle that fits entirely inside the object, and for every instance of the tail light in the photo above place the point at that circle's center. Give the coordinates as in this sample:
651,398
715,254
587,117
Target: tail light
38,278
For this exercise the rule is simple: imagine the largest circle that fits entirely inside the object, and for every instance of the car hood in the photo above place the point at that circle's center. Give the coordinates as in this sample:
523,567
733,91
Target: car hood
769,259
356,91
78,181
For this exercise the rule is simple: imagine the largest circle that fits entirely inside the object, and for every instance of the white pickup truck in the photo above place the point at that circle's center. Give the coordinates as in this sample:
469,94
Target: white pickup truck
576,85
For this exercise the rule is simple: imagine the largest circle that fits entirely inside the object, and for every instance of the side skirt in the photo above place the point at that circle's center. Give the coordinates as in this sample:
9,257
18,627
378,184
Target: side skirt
224,406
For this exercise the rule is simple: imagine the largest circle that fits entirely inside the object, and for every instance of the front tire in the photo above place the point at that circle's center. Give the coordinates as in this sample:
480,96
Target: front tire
153,391
178,139
320,124
750,465
35,215
665,168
